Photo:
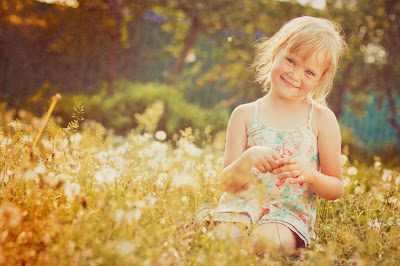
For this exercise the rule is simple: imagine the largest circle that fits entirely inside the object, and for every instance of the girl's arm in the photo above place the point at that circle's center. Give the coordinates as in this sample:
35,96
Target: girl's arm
327,183
239,160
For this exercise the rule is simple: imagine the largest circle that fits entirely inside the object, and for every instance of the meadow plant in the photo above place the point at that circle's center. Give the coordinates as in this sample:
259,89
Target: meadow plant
88,196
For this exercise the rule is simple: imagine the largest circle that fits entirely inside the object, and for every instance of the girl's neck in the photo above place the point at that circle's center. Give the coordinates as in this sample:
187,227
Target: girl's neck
273,99
279,113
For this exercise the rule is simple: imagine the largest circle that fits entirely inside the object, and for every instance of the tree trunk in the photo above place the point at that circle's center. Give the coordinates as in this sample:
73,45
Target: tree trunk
392,104
189,43
115,11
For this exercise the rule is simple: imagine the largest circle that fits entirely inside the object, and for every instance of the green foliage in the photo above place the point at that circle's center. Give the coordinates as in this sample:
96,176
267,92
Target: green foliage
126,107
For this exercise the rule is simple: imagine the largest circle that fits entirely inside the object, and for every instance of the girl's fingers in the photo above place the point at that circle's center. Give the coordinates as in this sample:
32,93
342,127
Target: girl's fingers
286,160
290,174
261,168
300,179
284,168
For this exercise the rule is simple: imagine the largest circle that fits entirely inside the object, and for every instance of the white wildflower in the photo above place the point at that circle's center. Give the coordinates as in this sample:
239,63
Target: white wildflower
184,179
352,170
31,175
392,200
190,148
146,153
210,173
105,175
10,215
378,166
346,181
102,157
379,197
397,181
75,138
119,216
160,135
133,216
374,224
387,175
185,199
16,125
344,159
72,190
150,201
4,142
161,179
74,166
126,247
359,190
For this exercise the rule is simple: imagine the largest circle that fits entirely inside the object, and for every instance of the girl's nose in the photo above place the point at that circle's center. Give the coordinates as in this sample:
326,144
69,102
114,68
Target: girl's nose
295,73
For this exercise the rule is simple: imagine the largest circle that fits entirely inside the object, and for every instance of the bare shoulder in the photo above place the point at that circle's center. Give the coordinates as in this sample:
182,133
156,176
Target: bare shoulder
244,113
325,119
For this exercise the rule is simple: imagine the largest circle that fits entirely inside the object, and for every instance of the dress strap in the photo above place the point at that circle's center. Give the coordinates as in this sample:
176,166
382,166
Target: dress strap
256,110
255,113
310,114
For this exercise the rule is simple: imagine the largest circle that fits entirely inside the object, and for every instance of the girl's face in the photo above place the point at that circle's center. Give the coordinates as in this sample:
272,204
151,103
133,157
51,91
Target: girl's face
294,75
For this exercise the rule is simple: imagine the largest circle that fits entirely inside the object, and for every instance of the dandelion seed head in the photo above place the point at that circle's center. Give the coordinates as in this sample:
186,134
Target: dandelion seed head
210,173
359,190
126,247
76,139
352,171
397,181
378,166
344,159
346,181
387,175
161,179
10,215
380,197
16,125
392,200
74,166
72,190
102,157
374,224
105,175
185,180
160,135
185,199
189,148
31,175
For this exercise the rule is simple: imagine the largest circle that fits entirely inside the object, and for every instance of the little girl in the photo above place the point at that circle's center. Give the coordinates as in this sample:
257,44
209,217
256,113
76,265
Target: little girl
288,142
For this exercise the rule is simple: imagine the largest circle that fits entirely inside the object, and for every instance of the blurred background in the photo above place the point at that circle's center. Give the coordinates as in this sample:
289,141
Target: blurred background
189,61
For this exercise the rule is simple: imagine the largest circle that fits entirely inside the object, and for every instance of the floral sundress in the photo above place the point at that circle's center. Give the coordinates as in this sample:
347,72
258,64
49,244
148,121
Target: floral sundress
293,205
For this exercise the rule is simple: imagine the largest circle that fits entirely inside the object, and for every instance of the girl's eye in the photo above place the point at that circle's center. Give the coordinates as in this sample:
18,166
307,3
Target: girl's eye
290,61
310,73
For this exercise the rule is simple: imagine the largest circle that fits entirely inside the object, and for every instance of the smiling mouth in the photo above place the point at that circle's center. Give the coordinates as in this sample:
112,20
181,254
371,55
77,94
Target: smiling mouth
288,83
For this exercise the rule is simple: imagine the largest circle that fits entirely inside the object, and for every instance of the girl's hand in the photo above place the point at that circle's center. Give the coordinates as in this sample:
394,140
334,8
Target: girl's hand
263,158
291,168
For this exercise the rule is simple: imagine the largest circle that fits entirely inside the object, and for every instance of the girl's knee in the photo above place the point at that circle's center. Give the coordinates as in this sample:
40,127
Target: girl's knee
273,237
228,231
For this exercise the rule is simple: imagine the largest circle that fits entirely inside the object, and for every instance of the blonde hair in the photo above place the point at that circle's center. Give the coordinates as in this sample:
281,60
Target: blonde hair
310,35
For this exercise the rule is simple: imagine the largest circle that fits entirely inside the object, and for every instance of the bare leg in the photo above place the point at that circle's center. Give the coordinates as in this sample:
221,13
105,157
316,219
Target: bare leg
273,237
231,231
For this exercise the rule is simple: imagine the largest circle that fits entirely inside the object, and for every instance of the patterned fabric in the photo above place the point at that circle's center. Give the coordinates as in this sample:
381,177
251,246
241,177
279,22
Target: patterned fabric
293,205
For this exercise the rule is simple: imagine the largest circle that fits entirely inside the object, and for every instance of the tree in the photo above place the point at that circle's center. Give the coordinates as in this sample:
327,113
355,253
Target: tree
228,30
373,35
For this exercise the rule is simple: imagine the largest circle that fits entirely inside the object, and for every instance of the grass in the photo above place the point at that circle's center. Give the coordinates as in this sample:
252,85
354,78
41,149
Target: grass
93,198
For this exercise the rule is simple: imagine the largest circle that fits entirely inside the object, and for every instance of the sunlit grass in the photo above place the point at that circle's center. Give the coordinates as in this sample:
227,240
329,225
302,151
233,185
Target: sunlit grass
90,197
